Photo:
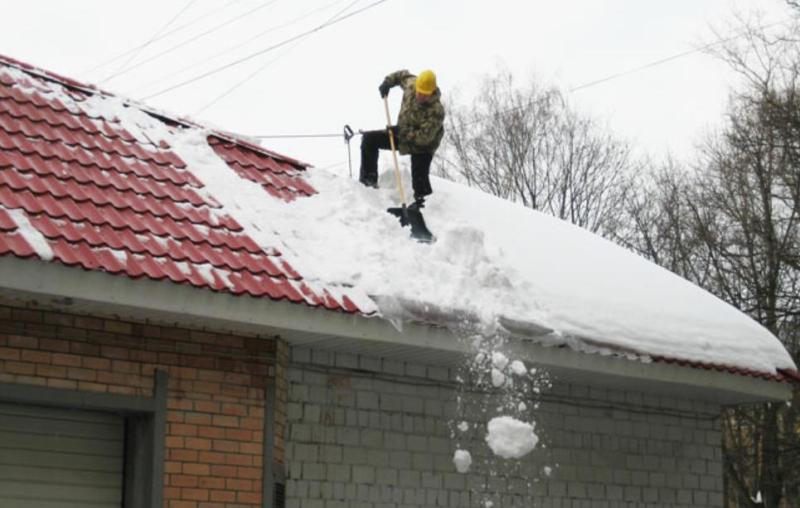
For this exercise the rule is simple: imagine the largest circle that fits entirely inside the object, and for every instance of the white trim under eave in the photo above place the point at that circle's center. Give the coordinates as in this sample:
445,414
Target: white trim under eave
78,290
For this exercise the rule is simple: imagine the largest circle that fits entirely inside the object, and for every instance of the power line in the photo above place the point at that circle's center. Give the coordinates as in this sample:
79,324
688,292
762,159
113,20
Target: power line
641,67
263,51
162,36
667,59
292,136
574,89
153,37
261,69
190,40
239,45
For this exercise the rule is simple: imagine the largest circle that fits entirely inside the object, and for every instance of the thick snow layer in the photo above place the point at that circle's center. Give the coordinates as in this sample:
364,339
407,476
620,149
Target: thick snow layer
492,258
496,258
462,460
510,438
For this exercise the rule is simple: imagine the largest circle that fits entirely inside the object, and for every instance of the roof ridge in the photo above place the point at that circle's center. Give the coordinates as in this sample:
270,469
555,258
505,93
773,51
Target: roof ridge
236,139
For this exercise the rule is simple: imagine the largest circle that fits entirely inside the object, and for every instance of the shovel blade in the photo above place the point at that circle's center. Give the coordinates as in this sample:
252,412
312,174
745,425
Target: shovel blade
413,218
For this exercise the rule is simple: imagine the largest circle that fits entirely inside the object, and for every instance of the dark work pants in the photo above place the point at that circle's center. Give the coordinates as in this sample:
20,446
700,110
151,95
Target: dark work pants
372,142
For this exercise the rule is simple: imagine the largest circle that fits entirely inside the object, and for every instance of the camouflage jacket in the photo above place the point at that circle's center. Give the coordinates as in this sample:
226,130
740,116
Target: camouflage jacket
420,127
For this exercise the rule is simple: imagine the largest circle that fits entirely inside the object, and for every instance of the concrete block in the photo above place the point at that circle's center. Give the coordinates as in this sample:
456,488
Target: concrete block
386,476
313,471
410,479
412,404
393,367
300,354
417,443
346,361
367,400
431,480
305,452
354,455
454,481
700,498
311,413
633,494
339,473
371,438
347,436
401,459
438,373
330,454
378,458
415,370
364,474
321,357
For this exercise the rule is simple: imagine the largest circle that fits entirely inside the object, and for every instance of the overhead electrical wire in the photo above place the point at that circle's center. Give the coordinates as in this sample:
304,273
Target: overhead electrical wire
162,36
262,51
239,45
190,40
155,35
267,64
574,89
668,59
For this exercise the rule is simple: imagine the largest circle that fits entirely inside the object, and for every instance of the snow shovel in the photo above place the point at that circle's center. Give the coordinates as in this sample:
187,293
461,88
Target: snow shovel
408,217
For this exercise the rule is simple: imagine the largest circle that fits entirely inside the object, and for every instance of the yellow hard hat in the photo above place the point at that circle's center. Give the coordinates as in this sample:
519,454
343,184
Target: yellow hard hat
426,82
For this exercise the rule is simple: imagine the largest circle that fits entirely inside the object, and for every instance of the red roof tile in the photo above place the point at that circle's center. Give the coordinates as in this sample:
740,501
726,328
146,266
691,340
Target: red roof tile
104,200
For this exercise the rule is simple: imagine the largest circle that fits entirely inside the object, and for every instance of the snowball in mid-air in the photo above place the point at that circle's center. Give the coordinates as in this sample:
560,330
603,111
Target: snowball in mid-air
499,360
498,378
510,438
462,460
518,368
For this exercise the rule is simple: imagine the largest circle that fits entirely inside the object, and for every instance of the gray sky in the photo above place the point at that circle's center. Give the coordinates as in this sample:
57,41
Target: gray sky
331,77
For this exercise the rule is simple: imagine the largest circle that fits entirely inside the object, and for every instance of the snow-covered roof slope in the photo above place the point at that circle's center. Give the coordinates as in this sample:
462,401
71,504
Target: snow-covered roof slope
90,180
494,258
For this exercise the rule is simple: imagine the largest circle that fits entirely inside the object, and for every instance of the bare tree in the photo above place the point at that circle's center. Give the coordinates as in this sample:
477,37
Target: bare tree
527,145
732,225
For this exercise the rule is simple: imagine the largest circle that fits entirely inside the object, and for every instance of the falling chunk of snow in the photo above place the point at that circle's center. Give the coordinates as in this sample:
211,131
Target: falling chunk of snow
548,471
518,368
522,407
480,357
488,504
533,371
510,438
499,360
462,460
463,426
757,499
498,378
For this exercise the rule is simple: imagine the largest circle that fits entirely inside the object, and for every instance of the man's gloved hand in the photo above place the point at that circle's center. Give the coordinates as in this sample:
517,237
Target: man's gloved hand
384,89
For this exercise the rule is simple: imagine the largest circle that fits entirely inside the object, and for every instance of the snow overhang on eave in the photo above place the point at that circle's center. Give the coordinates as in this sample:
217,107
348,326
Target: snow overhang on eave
73,289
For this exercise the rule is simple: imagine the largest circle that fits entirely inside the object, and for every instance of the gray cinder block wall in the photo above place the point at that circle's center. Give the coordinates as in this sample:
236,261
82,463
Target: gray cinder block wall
370,433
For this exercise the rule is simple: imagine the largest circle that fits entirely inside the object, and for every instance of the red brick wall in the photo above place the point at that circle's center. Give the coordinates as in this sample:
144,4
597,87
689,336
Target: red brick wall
215,407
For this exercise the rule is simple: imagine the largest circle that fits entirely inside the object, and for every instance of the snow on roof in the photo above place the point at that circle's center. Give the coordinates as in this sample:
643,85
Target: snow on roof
199,207
495,258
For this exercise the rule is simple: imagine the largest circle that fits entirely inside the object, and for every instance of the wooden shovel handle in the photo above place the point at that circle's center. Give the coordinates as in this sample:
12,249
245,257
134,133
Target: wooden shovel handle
394,151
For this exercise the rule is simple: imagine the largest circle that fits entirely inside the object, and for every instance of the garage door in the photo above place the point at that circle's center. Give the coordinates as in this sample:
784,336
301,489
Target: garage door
60,458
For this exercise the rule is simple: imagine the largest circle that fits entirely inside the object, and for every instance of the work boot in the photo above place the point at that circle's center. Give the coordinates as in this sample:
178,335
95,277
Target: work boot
418,204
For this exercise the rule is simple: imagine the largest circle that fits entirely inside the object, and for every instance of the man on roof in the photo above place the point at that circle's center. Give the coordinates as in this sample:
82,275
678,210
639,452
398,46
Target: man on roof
419,130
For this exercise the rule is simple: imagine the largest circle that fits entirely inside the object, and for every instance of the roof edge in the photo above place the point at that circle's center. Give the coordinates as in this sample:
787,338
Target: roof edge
74,289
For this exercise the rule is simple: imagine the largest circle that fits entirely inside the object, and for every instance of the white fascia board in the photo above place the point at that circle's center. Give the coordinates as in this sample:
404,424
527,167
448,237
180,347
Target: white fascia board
74,289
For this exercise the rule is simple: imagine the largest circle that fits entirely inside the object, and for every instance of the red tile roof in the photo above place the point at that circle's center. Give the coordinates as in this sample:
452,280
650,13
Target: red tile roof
782,375
105,200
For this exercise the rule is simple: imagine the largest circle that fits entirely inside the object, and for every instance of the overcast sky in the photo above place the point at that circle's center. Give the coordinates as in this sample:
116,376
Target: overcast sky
330,78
